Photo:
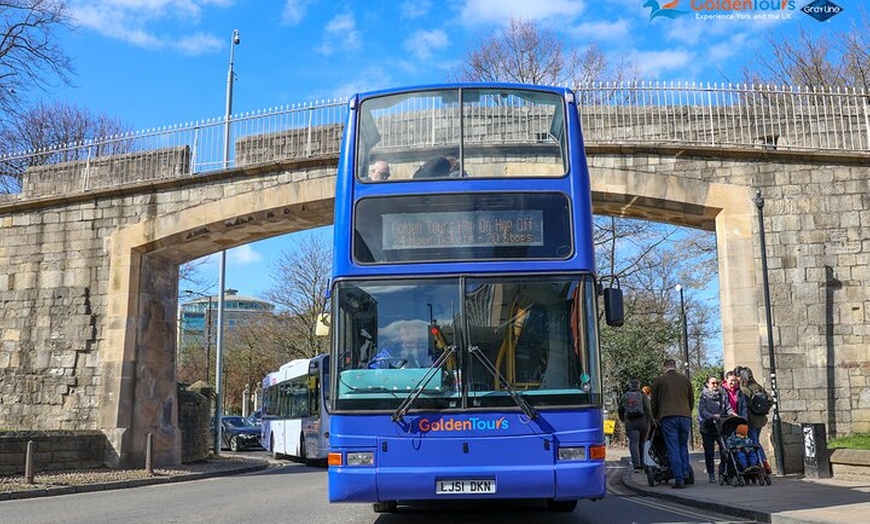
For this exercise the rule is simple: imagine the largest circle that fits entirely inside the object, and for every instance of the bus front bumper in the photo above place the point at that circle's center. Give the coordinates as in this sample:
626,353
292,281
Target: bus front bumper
569,480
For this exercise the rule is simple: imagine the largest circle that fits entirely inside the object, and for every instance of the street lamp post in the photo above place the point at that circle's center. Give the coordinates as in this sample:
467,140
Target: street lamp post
777,422
684,342
684,337
218,408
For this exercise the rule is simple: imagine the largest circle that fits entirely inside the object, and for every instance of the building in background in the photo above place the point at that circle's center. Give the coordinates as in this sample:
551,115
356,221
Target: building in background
198,317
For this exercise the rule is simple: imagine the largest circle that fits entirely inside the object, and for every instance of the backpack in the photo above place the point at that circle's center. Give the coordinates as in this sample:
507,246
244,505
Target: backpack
759,403
634,404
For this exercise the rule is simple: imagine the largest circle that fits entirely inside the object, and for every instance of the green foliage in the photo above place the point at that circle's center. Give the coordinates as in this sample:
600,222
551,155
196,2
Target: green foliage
700,376
635,350
858,441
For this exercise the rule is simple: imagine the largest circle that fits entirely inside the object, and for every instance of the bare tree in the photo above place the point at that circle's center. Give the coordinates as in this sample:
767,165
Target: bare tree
523,53
826,58
55,132
300,278
650,259
29,54
529,54
254,348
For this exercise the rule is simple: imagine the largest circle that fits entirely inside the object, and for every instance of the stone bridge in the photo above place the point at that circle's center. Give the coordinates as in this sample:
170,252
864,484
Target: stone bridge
89,273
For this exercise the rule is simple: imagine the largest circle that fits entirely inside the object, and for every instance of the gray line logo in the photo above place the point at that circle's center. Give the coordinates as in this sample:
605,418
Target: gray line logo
822,10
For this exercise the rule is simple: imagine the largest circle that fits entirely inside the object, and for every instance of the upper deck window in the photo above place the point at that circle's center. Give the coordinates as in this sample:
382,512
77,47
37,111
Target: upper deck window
460,133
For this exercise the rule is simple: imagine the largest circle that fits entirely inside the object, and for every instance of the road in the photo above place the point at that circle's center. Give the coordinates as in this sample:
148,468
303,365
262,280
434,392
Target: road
293,493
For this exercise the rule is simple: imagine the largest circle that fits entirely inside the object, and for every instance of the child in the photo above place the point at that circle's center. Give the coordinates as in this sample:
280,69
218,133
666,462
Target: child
744,449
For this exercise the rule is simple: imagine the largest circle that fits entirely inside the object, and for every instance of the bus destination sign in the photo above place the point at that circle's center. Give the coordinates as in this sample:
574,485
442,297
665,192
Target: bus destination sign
463,229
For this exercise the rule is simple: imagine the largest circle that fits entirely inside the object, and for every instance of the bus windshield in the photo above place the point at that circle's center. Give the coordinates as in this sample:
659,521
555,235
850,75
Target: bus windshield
537,332
459,133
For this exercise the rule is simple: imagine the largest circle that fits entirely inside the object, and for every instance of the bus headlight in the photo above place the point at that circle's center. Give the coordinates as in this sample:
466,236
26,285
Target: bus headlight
361,458
578,453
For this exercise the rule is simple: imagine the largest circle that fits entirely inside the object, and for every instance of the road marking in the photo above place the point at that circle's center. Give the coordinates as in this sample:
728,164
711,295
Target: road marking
681,510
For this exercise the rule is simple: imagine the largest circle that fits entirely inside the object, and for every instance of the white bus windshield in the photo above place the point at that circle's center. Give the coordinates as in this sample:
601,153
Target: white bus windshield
431,135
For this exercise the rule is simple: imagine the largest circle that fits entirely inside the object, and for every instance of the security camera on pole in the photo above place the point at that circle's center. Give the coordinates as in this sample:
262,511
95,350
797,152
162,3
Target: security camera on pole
218,408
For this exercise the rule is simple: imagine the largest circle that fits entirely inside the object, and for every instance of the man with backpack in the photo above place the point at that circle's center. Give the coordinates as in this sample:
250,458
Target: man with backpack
635,413
758,403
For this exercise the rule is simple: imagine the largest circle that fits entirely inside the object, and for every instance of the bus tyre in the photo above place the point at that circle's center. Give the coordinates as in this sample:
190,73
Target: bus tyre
562,505
234,443
388,506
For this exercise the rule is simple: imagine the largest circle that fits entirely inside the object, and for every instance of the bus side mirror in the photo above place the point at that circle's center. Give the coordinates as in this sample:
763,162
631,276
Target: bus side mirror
614,312
322,327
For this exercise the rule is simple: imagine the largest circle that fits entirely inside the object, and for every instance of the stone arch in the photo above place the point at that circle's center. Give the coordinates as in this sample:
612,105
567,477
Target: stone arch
138,358
725,209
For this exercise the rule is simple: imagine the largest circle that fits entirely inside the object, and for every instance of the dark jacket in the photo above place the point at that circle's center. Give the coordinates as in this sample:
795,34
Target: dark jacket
672,396
712,404
647,410
755,421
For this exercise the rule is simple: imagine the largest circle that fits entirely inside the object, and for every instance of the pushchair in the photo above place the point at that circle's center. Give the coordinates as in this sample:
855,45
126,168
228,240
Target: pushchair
655,459
730,469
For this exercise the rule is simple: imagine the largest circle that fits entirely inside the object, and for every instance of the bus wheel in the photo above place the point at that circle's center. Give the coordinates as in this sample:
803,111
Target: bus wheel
562,505
388,506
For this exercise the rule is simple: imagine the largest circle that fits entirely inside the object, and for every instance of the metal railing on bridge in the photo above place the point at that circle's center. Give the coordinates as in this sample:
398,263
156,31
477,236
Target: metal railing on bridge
705,115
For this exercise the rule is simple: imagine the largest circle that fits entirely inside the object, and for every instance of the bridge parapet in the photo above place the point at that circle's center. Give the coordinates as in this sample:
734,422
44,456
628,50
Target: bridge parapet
105,172
715,116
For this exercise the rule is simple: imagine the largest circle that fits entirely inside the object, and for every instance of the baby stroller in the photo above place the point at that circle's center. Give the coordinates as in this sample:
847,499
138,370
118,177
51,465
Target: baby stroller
739,465
655,459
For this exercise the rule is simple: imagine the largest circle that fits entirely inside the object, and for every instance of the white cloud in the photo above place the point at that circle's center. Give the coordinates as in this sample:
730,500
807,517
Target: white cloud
734,45
422,43
500,11
134,21
243,255
199,44
340,32
603,30
294,11
415,9
652,63
369,78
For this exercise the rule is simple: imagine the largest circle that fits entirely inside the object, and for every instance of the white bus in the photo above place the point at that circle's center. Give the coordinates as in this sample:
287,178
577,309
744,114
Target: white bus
295,421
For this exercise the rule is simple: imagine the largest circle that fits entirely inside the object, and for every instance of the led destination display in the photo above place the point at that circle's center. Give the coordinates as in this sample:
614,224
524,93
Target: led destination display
462,229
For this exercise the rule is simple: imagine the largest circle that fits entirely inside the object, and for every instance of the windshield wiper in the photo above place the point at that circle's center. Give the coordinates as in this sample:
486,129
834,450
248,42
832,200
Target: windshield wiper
403,408
515,395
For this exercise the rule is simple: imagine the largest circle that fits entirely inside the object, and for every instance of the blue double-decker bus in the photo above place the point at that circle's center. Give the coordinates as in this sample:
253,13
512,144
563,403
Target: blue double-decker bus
464,304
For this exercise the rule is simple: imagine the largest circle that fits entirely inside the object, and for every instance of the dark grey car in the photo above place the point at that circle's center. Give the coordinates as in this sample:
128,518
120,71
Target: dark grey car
238,434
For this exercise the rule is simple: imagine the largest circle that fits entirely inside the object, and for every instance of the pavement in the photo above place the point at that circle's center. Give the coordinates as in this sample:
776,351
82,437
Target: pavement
790,499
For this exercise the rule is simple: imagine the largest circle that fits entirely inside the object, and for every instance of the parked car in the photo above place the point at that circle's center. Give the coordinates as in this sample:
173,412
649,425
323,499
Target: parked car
256,418
238,434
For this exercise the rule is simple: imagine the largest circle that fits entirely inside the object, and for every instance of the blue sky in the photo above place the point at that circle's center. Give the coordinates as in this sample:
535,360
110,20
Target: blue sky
153,63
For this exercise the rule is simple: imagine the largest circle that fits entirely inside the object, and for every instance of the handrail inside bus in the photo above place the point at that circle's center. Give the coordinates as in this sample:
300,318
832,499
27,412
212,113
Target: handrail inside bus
515,395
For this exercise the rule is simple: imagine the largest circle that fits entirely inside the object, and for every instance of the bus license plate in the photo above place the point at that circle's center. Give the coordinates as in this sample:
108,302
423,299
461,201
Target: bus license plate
464,486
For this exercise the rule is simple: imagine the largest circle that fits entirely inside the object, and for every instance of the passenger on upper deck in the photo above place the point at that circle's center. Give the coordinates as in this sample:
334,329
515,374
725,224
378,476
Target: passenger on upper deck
379,171
440,167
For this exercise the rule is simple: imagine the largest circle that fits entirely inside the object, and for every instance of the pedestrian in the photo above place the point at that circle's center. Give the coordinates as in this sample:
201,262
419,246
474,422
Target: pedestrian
758,403
736,400
672,402
712,405
636,414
